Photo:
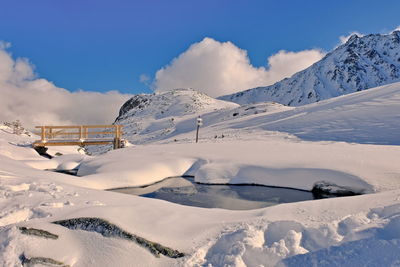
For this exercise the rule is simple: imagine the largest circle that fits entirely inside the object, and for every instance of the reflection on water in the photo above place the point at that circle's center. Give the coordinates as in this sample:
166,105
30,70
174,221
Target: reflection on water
233,197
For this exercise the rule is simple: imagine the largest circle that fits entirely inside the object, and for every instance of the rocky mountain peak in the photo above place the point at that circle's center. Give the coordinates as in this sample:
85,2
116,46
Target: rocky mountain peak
361,63
352,39
177,102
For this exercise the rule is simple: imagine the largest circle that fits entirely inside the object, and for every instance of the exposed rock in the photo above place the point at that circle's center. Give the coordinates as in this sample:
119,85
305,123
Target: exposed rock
40,261
108,229
138,102
42,151
37,232
324,190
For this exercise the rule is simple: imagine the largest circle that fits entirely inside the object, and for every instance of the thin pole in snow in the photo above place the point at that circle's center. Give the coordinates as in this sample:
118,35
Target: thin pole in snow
199,123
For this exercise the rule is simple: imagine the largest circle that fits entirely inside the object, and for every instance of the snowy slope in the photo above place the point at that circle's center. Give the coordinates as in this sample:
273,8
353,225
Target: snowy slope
369,116
149,117
359,64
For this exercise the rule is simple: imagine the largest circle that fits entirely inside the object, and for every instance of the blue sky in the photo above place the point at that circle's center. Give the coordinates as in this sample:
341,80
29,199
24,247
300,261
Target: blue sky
99,45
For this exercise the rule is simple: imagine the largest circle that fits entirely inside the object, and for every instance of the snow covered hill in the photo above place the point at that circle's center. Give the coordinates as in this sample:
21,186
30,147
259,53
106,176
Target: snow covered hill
361,63
149,117
369,116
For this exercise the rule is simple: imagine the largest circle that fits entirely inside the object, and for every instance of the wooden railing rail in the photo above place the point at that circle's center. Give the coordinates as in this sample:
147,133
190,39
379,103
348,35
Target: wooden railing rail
79,135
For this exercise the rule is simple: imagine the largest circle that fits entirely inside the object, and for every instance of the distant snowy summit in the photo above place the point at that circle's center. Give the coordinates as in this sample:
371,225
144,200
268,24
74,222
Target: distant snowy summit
361,63
172,103
150,117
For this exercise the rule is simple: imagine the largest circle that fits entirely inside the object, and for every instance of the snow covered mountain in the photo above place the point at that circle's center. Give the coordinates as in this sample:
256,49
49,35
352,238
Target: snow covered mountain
148,117
361,63
369,116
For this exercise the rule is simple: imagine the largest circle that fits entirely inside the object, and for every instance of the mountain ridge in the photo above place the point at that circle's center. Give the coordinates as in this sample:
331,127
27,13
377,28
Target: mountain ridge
360,63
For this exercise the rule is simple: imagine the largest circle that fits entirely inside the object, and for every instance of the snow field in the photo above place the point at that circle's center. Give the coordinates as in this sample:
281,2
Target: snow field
257,148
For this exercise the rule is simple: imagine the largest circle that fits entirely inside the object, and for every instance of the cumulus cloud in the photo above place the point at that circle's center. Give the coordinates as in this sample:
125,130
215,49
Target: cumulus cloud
36,101
4,45
145,79
285,63
219,68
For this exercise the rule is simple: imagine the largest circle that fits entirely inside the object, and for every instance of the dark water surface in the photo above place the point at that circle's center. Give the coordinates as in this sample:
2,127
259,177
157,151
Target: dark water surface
185,191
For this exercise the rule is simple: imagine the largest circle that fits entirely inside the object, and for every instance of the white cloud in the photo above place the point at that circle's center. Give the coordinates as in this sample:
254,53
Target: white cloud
36,101
4,45
218,68
285,63
144,78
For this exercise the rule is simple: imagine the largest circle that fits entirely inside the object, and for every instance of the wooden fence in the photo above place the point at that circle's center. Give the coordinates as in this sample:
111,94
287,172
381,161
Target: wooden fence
80,135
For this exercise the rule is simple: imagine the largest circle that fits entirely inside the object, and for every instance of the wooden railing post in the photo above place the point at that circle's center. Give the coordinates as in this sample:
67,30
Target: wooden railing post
119,131
43,134
86,132
81,133
117,139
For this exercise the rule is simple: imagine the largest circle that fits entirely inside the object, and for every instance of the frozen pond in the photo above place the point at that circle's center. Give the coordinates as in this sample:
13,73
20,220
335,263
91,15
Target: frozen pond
185,191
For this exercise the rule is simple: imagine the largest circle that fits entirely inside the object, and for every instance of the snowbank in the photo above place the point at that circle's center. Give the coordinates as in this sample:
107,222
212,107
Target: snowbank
328,230
364,168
